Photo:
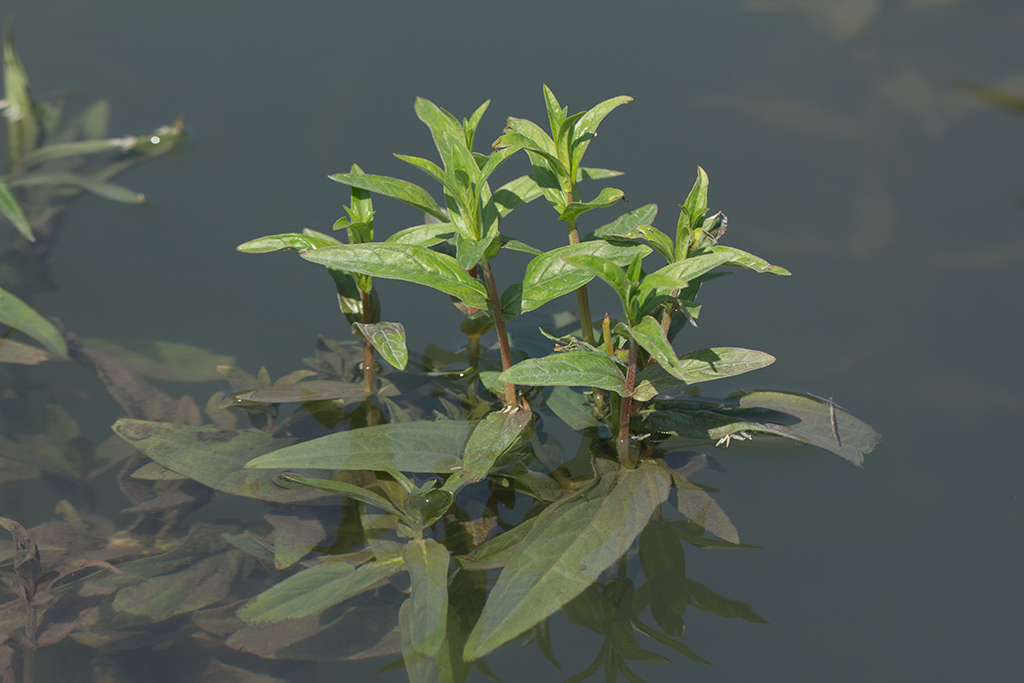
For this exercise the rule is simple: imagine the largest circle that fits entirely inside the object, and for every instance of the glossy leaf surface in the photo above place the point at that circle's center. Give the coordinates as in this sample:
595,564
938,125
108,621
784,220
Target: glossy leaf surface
17,314
571,368
407,262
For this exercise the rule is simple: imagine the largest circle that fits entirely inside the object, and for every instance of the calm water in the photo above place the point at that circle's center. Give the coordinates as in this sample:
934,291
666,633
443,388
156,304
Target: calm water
838,142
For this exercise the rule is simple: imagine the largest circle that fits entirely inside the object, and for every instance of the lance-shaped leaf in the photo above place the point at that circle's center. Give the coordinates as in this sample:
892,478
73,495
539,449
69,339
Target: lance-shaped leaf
624,225
117,193
696,204
388,339
284,391
22,122
572,543
548,276
17,314
697,506
440,121
427,562
586,127
699,366
705,599
648,334
495,434
664,564
817,422
214,457
406,262
292,241
12,212
602,268
747,260
163,360
405,447
315,589
569,369
605,197
402,190
676,275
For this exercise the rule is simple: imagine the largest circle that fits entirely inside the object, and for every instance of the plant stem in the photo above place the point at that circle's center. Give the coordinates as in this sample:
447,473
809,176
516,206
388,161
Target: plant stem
627,407
369,363
499,327
582,300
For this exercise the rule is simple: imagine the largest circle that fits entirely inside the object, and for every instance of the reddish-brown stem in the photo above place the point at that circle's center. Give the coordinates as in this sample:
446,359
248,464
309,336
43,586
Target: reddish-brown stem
369,362
499,327
626,409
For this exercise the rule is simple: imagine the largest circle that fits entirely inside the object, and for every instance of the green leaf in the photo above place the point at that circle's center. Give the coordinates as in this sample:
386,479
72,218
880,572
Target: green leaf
22,123
571,544
495,434
627,223
470,126
696,204
104,189
431,447
404,262
659,240
571,407
548,277
696,505
427,562
291,480
388,339
699,366
648,334
664,564
403,191
586,127
315,589
746,260
164,360
571,369
606,197
424,235
12,212
604,269
439,121
292,241
705,599
820,423
213,457
17,314
300,392
676,275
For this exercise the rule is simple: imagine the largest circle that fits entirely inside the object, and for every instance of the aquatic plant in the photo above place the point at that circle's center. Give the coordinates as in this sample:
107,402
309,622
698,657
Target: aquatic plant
422,508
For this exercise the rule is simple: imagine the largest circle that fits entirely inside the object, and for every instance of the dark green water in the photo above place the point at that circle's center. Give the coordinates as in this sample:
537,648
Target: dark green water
838,143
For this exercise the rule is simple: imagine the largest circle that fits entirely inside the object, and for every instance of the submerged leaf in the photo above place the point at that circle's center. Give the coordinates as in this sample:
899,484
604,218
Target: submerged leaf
405,447
572,543
12,212
214,457
17,314
495,434
315,589
163,360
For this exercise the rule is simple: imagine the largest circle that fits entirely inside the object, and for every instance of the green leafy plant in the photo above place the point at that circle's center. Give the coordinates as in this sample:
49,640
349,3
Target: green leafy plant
632,410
